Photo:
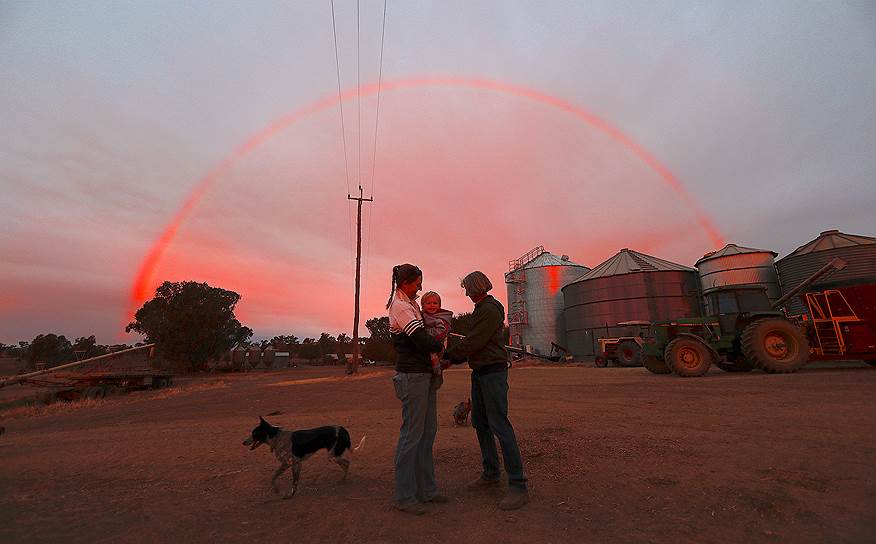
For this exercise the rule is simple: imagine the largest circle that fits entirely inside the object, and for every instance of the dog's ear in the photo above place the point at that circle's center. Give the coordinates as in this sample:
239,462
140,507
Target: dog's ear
262,421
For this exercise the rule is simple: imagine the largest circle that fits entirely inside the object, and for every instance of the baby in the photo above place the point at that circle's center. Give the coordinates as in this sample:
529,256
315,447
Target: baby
437,323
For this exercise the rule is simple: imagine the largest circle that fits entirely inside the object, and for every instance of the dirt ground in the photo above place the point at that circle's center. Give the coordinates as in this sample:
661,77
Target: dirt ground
613,455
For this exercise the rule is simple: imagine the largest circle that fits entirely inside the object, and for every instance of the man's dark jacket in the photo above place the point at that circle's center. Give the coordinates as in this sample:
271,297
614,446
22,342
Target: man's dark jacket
483,347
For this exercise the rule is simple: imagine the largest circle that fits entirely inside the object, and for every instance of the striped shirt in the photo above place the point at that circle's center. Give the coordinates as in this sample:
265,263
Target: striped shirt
404,314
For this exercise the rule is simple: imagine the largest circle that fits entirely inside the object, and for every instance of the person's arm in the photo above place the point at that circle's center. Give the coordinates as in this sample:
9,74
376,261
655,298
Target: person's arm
486,321
406,320
423,341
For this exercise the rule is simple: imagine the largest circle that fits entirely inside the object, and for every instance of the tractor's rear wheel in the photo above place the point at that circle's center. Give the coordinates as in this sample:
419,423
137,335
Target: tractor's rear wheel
655,365
628,353
775,345
687,357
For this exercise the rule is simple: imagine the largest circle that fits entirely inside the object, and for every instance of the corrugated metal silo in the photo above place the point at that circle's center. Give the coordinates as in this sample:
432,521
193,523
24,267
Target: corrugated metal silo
739,266
535,298
630,286
859,252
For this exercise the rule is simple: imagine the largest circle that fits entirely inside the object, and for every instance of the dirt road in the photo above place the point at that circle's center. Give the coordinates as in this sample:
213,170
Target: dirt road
613,455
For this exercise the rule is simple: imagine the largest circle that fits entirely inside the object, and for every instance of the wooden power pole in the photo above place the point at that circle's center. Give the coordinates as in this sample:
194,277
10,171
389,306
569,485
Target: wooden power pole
353,366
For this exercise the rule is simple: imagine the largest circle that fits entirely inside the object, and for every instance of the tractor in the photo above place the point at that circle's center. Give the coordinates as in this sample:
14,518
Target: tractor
744,332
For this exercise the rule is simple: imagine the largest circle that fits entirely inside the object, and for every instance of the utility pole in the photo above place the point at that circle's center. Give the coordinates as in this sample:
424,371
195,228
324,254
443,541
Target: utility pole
353,366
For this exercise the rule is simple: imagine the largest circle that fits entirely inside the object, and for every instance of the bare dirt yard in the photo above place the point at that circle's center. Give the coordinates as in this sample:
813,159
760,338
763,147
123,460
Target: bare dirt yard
613,455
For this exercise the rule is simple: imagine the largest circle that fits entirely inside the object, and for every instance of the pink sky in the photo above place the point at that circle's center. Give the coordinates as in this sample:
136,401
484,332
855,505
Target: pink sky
763,111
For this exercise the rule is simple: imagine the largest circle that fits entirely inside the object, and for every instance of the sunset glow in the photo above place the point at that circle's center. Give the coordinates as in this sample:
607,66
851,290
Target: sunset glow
144,281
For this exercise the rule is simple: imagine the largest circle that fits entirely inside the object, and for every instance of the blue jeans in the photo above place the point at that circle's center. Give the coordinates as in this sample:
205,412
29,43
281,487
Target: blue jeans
414,467
489,417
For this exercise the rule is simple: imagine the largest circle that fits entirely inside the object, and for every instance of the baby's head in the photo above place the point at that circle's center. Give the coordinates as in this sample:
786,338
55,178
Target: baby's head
431,302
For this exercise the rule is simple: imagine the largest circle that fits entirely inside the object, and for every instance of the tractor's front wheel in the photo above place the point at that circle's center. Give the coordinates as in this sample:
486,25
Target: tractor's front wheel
687,357
655,365
628,353
775,345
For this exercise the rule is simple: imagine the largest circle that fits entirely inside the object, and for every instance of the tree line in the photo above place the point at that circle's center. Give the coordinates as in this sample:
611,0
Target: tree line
193,323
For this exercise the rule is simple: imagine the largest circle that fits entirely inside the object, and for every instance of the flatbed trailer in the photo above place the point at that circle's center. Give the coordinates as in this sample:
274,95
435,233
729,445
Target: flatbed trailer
93,384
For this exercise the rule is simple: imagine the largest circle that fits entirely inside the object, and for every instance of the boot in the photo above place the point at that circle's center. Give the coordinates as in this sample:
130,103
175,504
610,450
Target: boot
514,499
481,484
410,507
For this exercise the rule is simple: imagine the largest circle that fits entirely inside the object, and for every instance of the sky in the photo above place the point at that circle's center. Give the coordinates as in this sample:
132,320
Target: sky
501,126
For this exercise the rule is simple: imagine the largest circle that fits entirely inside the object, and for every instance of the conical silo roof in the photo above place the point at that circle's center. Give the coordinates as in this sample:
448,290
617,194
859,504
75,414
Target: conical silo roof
831,239
549,259
628,261
732,249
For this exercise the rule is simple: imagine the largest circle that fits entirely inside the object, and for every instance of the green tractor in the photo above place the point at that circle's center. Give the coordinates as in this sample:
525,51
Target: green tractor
744,332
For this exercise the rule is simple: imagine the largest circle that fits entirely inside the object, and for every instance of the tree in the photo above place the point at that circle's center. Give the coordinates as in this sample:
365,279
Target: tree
379,328
85,347
50,349
377,349
327,343
379,346
190,322
310,350
288,340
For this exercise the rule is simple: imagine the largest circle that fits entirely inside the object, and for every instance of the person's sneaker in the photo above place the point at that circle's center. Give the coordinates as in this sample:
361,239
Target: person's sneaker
437,498
482,483
410,507
514,499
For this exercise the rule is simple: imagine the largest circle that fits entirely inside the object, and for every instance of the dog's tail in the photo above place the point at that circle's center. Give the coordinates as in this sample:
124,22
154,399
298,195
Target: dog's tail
359,447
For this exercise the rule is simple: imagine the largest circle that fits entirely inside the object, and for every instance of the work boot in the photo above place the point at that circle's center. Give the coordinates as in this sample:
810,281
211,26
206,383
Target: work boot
482,483
514,499
410,507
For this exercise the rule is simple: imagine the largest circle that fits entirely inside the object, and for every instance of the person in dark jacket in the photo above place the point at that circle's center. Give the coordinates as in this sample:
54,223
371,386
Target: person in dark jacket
416,387
483,349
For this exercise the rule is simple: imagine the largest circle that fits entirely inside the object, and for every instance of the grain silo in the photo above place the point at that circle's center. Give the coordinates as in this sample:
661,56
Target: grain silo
535,299
859,252
630,286
737,266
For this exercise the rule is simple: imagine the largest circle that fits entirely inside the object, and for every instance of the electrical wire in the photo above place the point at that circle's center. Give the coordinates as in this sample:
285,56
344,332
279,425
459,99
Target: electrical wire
358,101
374,151
343,137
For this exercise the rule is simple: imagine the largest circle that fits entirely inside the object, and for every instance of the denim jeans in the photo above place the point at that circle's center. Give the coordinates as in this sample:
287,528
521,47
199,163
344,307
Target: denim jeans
489,417
414,467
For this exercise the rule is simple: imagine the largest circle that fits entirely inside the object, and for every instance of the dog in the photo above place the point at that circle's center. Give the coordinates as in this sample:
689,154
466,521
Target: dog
461,412
293,447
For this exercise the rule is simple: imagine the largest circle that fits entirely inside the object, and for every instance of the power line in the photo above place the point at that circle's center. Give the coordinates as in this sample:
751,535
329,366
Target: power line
374,151
358,101
340,100
377,115
343,134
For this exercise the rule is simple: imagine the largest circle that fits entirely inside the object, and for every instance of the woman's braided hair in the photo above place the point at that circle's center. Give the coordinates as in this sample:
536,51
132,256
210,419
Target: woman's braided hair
402,273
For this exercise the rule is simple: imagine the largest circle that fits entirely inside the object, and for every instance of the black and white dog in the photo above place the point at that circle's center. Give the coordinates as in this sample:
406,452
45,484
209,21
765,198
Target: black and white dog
293,447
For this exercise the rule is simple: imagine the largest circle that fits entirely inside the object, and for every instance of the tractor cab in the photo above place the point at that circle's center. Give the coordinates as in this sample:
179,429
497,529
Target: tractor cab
734,307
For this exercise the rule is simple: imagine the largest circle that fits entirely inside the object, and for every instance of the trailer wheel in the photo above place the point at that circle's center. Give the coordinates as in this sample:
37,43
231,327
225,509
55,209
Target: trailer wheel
655,365
775,345
687,357
628,354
